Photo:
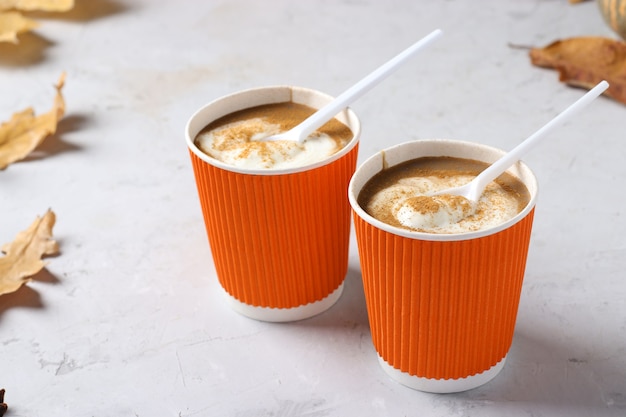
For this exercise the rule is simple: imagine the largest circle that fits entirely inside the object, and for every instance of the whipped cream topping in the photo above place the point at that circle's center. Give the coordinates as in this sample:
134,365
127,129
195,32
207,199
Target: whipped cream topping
409,203
426,212
241,144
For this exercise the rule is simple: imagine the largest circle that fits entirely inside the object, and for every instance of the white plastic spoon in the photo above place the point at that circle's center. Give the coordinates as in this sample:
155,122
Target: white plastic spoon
300,132
474,189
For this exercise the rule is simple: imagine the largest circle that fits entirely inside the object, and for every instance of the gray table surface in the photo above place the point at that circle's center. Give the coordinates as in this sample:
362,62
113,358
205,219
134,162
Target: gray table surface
129,320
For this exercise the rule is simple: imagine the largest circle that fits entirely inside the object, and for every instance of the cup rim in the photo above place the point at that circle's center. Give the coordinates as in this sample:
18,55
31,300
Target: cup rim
193,127
530,183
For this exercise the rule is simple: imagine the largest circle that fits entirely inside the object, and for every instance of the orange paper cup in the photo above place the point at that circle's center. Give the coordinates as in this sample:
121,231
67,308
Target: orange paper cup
441,307
279,238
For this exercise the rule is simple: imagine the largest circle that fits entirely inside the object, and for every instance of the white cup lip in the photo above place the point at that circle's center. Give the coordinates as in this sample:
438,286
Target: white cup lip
266,95
530,181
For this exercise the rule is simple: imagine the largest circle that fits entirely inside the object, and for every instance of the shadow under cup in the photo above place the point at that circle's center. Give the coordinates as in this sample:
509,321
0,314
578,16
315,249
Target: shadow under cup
279,238
441,307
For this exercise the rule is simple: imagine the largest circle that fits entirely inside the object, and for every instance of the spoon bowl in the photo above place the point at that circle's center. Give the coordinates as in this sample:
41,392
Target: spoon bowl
300,132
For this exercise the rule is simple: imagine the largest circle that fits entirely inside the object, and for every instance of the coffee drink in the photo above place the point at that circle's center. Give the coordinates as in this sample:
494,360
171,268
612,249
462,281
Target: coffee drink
442,276
402,196
276,213
238,138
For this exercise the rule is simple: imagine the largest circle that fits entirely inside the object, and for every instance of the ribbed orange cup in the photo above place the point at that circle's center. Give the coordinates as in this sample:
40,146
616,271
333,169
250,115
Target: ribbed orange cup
279,238
442,307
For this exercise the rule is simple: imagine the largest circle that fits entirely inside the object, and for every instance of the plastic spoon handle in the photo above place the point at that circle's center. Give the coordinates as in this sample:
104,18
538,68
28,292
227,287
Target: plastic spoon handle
323,115
498,167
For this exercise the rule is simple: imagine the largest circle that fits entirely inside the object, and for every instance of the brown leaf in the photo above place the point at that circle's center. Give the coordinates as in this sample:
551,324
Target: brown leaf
23,255
13,23
3,406
585,61
24,132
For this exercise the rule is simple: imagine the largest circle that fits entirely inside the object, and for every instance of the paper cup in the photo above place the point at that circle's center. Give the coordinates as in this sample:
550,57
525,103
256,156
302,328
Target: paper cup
441,308
279,238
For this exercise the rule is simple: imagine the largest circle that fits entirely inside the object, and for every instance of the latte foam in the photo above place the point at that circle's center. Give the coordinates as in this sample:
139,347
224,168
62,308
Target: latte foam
404,198
239,139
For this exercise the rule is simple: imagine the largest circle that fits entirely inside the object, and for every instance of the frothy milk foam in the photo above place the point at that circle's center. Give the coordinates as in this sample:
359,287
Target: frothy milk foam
240,142
406,201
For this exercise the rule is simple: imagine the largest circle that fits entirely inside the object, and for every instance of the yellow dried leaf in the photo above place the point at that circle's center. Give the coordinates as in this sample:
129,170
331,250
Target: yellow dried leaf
25,131
42,5
23,255
12,23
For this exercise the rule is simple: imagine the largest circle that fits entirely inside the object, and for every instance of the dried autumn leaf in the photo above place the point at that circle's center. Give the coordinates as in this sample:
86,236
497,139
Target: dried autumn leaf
3,405
23,255
25,131
13,23
585,61
42,5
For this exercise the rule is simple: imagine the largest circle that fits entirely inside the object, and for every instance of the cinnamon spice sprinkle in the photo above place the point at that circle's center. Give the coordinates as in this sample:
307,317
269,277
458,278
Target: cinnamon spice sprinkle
235,132
381,194
424,204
